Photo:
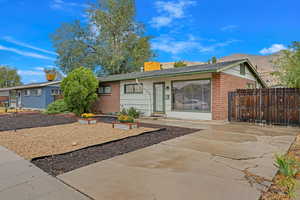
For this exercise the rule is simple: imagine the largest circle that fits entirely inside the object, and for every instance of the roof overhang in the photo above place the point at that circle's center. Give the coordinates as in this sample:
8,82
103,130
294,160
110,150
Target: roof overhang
30,86
174,74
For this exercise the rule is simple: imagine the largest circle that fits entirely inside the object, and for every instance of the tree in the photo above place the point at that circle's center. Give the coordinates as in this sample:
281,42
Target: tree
214,60
9,77
112,41
79,90
288,65
180,64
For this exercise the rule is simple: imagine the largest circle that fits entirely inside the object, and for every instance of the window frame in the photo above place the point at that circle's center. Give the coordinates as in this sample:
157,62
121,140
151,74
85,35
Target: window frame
38,92
55,93
191,111
134,88
26,93
104,91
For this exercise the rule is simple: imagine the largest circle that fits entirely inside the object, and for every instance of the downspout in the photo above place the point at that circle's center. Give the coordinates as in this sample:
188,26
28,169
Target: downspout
148,92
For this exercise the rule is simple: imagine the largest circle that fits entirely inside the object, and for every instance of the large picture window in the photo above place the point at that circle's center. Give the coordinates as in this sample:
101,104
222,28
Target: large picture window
191,95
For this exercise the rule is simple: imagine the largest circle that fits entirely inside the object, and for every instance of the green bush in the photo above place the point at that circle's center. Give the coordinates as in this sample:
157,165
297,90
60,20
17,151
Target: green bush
57,107
287,165
79,90
132,112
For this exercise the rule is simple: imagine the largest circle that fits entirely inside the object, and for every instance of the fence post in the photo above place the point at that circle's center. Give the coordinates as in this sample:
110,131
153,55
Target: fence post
229,106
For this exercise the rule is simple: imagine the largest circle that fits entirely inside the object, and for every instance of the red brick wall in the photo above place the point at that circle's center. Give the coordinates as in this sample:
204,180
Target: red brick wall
222,84
107,103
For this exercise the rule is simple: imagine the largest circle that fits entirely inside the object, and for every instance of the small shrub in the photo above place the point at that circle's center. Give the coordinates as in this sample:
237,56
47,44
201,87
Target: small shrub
132,112
287,165
57,107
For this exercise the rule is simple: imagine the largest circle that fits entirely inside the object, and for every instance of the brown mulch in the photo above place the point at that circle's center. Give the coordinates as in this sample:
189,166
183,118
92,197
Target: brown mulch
44,141
32,120
59,164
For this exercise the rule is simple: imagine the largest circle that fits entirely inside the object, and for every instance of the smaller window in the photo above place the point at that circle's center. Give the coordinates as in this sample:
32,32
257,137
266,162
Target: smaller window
133,89
104,90
243,69
55,92
36,92
26,92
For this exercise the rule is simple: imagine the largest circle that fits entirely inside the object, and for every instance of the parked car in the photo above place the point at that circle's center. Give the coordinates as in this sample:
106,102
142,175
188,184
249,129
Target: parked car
195,104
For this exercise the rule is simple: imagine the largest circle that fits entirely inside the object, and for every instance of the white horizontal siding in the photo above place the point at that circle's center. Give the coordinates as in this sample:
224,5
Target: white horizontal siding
235,71
144,102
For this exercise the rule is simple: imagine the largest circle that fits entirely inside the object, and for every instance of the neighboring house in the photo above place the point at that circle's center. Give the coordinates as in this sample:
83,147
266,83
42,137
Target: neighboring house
4,96
194,92
33,96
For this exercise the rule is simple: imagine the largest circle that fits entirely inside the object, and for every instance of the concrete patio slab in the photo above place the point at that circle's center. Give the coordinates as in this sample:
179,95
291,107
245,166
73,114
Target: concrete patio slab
208,164
21,180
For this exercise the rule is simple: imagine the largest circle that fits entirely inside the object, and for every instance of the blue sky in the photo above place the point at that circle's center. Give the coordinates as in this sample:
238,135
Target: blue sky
193,30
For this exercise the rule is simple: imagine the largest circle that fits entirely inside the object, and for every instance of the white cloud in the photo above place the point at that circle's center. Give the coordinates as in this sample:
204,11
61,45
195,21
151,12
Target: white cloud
30,73
170,11
170,45
62,4
273,49
25,53
39,68
229,28
22,44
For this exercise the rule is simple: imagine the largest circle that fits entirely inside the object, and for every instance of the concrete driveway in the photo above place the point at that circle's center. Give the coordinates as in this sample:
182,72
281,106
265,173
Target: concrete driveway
220,162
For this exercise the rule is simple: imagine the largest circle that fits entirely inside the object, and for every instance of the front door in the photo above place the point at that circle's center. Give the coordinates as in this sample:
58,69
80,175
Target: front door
159,97
19,99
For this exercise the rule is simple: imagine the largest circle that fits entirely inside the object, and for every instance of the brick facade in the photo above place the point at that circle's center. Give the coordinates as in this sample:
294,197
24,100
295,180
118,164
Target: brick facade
222,84
108,103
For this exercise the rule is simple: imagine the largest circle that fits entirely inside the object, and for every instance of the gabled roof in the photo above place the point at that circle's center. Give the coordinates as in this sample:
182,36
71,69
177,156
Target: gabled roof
196,69
31,85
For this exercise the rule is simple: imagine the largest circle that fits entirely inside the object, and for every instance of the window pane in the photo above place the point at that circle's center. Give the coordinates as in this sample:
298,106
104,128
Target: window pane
107,90
128,89
34,92
138,88
192,95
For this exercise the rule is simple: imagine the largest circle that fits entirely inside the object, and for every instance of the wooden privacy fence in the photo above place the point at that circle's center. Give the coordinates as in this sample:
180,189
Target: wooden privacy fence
278,106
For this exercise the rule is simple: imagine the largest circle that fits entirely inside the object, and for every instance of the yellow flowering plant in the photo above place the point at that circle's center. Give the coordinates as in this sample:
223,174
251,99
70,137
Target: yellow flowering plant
125,118
87,115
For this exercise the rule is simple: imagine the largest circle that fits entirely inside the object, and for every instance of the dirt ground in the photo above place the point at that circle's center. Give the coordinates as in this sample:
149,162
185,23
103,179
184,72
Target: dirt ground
44,141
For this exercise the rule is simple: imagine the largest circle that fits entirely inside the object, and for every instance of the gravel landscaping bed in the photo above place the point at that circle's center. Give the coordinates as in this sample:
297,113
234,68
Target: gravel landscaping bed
32,120
59,164
44,141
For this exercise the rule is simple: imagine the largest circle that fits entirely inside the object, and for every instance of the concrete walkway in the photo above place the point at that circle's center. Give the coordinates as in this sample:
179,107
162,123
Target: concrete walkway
213,164
20,180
